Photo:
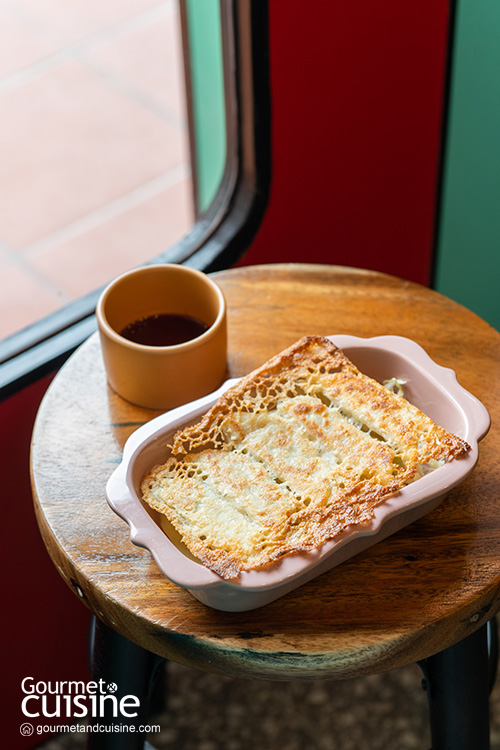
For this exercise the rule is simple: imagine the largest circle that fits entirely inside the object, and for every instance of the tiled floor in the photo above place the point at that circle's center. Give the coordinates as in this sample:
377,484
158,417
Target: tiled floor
94,160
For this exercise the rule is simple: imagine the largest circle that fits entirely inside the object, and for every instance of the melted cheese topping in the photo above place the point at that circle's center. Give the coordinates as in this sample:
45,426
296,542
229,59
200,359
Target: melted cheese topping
289,457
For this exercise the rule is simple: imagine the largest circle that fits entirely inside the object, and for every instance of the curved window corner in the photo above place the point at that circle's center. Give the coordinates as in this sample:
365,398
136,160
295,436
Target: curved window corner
229,123
231,172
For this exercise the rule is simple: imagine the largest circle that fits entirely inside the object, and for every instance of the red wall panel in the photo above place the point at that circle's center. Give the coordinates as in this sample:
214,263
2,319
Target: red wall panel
44,626
357,93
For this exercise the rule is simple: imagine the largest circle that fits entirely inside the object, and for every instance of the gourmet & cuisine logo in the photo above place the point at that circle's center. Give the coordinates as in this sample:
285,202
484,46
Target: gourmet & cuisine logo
75,699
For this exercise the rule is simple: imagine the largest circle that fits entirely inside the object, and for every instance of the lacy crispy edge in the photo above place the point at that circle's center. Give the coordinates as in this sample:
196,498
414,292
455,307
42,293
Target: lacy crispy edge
297,451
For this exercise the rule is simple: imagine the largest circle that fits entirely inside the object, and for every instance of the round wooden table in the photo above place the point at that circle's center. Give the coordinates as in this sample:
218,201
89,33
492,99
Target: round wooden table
409,598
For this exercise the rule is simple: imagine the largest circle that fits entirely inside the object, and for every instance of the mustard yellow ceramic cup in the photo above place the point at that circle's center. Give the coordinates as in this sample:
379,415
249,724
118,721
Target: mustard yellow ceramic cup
163,335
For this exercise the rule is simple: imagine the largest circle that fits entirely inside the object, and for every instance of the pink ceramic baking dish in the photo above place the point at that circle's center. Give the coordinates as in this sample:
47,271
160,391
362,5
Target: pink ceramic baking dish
434,389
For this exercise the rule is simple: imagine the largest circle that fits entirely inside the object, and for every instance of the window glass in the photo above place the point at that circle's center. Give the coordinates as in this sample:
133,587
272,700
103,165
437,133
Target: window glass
95,172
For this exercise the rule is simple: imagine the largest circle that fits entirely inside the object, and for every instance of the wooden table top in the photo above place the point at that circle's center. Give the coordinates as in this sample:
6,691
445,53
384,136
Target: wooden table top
419,591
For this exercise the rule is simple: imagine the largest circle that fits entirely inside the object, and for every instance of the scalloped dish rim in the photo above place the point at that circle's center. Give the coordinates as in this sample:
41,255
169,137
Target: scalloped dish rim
464,414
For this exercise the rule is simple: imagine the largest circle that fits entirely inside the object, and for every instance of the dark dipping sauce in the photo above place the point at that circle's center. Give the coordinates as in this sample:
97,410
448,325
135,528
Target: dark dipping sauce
164,329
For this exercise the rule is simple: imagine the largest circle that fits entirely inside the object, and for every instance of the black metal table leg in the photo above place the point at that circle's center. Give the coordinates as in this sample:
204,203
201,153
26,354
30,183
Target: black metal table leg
457,681
493,650
120,668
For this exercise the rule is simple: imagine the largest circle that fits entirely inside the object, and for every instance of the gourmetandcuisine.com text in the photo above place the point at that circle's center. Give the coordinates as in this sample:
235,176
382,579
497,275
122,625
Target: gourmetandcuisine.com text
99,728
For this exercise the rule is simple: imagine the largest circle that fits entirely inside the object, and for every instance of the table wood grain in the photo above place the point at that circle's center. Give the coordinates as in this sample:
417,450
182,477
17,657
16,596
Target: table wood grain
408,597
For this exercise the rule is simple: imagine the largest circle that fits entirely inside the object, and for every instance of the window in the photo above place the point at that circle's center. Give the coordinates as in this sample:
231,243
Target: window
94,157
229,197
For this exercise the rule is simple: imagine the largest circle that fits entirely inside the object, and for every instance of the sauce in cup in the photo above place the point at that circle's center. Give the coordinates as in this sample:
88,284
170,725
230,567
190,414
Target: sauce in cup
164,329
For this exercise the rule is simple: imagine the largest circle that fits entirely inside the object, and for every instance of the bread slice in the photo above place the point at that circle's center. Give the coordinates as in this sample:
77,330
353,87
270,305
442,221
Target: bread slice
294,453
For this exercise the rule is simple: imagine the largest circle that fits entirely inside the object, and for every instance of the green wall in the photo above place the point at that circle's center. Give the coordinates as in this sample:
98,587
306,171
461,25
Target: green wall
468,257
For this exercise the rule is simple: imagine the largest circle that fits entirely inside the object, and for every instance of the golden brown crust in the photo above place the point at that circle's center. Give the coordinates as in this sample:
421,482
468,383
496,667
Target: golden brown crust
295,452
